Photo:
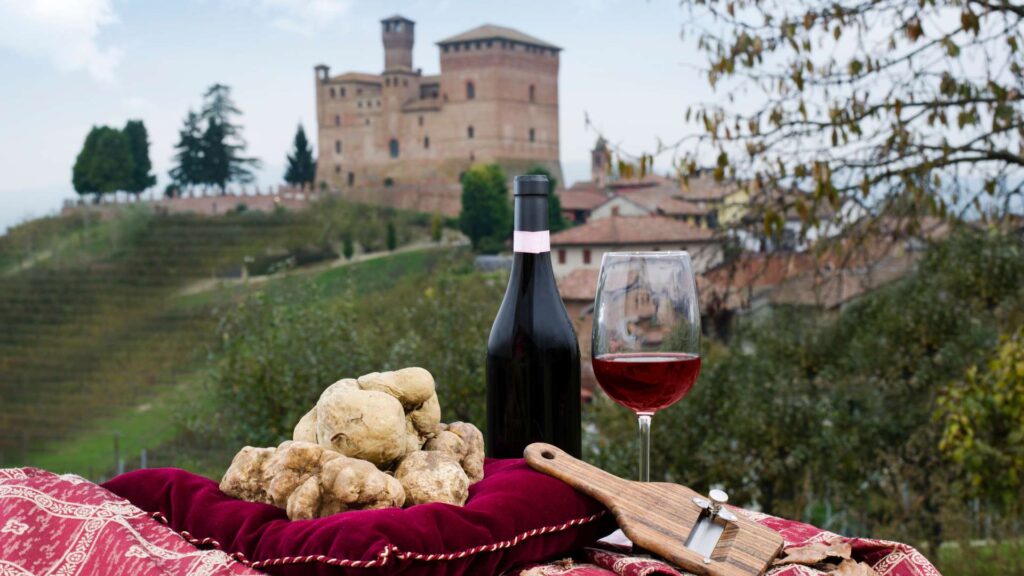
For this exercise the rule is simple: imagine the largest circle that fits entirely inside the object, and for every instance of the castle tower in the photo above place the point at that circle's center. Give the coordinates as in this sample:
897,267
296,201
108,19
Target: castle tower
600,163
398,33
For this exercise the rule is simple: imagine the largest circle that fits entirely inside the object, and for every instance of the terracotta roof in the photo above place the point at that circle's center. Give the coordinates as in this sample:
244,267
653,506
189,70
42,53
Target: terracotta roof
663,202
492,32
580,284
581,199
357,77
704,188
616,230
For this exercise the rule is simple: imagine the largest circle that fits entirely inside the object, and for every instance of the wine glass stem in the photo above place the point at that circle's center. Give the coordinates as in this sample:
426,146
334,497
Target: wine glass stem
645,447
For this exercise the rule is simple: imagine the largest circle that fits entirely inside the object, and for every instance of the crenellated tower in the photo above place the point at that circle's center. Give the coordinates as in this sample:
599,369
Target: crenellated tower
399,34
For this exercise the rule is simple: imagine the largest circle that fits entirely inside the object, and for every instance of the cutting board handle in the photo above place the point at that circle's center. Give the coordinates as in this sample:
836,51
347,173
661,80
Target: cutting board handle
590,480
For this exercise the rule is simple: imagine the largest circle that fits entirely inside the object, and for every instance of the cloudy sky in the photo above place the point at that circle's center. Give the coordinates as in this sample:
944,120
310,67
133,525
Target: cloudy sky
69,64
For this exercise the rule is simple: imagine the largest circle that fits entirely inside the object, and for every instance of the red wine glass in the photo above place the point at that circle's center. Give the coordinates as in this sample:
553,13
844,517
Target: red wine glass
646,340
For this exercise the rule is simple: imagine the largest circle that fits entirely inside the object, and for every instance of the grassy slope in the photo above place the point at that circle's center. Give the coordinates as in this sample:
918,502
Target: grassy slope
98,338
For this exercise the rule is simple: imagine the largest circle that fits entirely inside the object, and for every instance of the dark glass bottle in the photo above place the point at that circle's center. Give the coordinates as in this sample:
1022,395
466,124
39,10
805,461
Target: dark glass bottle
533,358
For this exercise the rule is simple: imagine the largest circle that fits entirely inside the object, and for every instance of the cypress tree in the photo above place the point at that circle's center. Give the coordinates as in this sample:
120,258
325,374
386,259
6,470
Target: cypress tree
138,142
301,164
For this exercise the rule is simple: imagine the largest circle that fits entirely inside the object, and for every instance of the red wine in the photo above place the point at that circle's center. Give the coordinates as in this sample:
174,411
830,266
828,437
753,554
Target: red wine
647,382
533,358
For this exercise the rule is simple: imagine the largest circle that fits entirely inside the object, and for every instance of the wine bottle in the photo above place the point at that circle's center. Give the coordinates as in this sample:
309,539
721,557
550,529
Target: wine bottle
533,358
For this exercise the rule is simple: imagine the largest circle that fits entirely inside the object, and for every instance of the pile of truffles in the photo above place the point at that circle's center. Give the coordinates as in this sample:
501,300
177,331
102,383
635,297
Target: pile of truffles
376,441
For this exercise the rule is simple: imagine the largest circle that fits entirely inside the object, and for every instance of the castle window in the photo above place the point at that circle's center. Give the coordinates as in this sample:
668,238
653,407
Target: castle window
405,81
456,47
387,81
470,133
393,148
586,256
389,182
337,168
532,135
332,92
337,146
426,142
478,45
489,43
445,48
337,119
533,93
470,91
351,178
342,91
359,90
504,44
421,120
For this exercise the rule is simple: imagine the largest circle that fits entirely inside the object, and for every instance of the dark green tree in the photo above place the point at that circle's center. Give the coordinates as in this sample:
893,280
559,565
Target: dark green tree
105,163
188,156
138,140
392,236
486,209
347,247
216,166
301,164
556,219
436,227
223,144
81,173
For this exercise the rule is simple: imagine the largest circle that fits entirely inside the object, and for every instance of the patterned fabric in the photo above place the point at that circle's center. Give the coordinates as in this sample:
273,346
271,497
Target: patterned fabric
808,551
67,526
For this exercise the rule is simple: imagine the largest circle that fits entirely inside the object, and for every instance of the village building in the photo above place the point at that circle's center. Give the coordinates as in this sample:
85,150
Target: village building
494,100
583,246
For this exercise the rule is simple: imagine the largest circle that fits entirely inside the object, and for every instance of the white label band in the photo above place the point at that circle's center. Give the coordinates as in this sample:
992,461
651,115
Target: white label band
531,242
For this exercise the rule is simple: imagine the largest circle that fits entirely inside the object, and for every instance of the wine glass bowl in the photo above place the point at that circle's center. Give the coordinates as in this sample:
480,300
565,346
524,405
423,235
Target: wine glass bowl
646,335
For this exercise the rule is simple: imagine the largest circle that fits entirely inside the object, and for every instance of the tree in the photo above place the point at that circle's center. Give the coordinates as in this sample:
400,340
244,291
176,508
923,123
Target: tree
436,227
188,158
486,210
301,164
556,220
899,105
81,173
223,144
392,236
346,244
113,163
104,164
983,416
138,141
216,166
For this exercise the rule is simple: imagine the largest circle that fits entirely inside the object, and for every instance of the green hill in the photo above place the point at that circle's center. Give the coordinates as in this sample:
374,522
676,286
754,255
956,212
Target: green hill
105,323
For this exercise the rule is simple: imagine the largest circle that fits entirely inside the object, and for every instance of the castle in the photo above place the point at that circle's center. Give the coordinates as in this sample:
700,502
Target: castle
495,100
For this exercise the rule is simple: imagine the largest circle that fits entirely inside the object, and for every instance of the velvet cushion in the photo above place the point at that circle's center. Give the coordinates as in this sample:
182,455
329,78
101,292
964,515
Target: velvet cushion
514,516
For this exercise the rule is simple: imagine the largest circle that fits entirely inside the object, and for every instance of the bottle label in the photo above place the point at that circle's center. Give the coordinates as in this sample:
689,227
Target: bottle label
531,242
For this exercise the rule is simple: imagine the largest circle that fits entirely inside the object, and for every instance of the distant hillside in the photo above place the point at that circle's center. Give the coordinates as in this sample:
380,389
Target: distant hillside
102,317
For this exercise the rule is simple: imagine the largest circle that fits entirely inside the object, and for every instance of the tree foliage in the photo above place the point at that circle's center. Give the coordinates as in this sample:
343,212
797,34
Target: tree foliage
138,138
301,164
556,220
210,148
486,209
105,164
984,421
188,156
917,106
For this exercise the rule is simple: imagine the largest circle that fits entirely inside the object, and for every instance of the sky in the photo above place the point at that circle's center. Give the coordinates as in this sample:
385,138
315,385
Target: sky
66,65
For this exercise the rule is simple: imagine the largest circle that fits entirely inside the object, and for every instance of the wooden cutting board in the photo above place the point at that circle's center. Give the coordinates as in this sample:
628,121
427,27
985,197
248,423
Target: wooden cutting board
659,517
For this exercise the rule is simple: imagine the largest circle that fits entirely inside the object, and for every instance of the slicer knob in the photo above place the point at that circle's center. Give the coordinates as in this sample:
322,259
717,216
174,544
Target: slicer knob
718,497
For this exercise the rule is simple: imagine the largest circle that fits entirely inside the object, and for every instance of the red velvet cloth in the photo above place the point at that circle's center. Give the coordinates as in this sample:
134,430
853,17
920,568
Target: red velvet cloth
514,516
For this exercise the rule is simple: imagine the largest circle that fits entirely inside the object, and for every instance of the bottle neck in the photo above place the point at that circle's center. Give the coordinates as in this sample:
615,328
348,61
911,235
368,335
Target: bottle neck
530,234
